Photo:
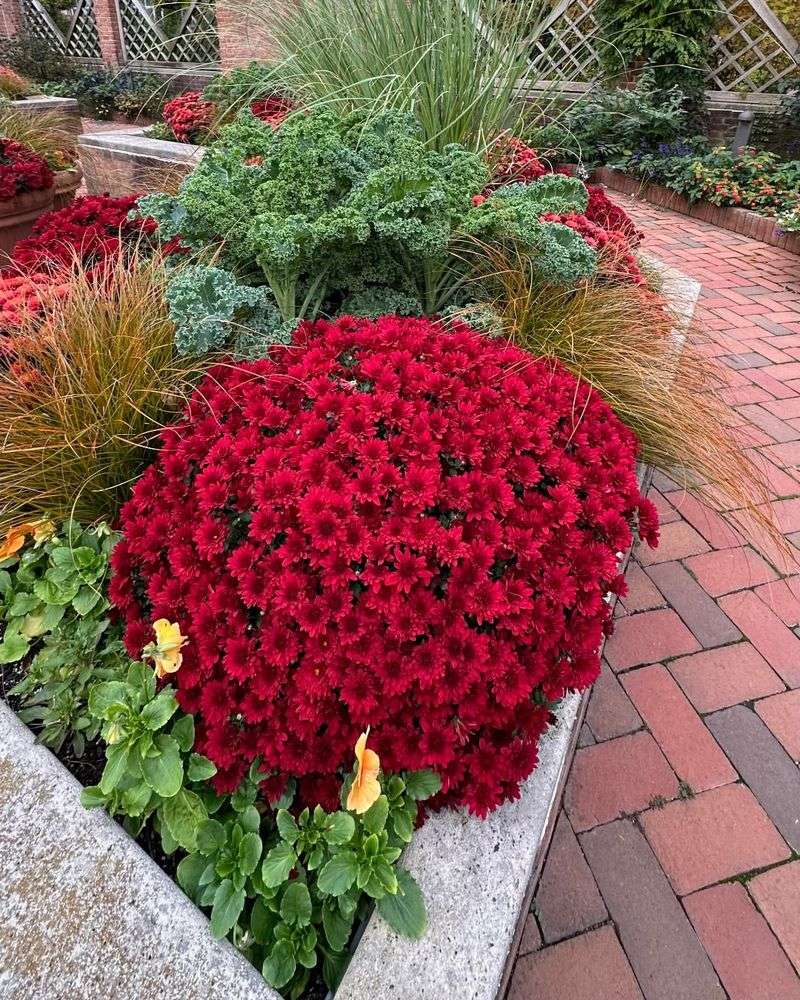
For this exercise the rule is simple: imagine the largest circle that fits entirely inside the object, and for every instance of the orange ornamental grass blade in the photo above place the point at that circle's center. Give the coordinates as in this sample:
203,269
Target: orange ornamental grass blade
366,788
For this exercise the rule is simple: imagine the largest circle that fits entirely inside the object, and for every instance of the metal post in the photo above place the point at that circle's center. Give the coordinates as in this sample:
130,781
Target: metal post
742,137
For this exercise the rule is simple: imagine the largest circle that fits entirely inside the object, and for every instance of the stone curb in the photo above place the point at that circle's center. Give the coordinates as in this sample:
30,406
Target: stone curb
121,163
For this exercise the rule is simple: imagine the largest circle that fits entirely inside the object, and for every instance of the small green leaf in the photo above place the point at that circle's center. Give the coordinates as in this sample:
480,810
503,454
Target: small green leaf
337,928
374,819
338,874
228,904
296,904
23,604
85,600
183,733
157,713
189,871
278,865
164,771
103,696
287,827
280,965
262,922
183,813
403,826
422,784
210,836
405,910
92,797
13,648
249,853
54,593
200,768
116,766
250,820
340,828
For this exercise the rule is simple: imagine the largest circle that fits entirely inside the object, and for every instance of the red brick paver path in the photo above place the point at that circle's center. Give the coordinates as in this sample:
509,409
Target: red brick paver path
673,873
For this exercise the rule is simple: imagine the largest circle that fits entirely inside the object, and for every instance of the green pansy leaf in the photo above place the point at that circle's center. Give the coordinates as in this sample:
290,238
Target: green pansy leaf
157,713
92,797
287,827
279,966
210,836
262,922
53,614
169,845
103,696
183,733
54,593
403,825
183,814
250,820
135,800
338,874
278,865
116,767
200,768
23,604
340,828
337,928
13,648
374,819
164,772
85,600
296,904
228,904
249,853
189,871
422,784
405,910
333,969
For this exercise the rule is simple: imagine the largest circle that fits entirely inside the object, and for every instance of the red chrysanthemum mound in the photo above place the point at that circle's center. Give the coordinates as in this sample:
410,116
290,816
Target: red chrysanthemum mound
514,162
603,212
189,116
389,524
22,170
616,260
272,110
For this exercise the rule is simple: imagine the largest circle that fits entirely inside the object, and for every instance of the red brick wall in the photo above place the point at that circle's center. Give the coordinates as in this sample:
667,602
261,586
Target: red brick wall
105,13
241,37
10,18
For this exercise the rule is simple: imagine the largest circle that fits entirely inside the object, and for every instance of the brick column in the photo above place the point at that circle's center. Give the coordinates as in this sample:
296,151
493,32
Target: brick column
10,18
241,38
107,20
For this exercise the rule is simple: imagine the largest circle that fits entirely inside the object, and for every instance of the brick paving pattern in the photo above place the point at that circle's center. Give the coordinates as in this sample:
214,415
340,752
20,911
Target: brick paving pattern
673,871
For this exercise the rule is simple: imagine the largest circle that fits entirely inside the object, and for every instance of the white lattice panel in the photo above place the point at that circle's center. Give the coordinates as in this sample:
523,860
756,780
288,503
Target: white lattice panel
75,34
753,51
567,47
190,36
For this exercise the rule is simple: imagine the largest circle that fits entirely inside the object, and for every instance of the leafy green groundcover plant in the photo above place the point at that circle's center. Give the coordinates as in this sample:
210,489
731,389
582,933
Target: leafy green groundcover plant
753,179
55,612
286,889
343,214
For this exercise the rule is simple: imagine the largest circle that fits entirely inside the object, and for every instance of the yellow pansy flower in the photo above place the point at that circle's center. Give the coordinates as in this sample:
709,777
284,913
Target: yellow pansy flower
366,788
166,650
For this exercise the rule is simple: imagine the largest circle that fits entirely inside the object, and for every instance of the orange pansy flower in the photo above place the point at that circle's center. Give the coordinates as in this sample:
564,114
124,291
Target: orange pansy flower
366,788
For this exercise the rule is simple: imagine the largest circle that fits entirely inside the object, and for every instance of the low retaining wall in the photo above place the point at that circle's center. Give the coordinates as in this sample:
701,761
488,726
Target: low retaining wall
122,163
737,220
41,103
87,914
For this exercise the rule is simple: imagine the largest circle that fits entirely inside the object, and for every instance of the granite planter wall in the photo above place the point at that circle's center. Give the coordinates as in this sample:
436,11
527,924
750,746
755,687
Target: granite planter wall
87,914
121,163
738,220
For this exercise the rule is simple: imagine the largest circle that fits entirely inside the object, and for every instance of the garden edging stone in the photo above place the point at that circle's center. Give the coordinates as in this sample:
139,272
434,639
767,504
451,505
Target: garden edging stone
118,163
87,913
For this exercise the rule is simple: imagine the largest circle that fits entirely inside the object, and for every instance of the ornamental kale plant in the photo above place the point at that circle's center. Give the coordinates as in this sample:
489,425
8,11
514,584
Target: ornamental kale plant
337,213
387,523
54,609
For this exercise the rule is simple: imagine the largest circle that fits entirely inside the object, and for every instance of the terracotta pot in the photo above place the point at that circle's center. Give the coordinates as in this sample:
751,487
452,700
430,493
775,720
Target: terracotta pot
66,185
17,216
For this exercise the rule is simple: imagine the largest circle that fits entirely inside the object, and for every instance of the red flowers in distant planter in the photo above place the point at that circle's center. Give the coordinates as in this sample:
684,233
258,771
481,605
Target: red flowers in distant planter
189,116
388,523
22,170
514,162
272,110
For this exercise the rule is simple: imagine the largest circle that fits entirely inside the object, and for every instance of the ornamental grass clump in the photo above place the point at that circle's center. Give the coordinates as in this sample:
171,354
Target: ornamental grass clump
620,340
47,133
84,391
390,523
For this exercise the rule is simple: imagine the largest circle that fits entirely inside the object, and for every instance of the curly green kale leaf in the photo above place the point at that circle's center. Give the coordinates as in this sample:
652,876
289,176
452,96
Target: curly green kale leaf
210,310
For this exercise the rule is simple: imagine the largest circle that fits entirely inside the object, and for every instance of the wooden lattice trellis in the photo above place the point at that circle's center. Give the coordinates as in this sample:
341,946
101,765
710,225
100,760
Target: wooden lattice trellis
752,52
146,37
75,34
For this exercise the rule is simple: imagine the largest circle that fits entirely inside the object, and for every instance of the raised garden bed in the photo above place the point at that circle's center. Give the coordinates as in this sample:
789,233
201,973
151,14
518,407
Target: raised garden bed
42,104
90,911
121,163
737,220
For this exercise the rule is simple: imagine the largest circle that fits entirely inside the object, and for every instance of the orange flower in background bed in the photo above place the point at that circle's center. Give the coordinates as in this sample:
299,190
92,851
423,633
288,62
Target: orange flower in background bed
16,537
366,788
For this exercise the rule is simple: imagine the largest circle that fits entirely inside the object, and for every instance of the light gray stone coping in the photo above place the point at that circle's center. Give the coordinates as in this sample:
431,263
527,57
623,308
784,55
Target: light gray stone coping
44,102
85,914
135,145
